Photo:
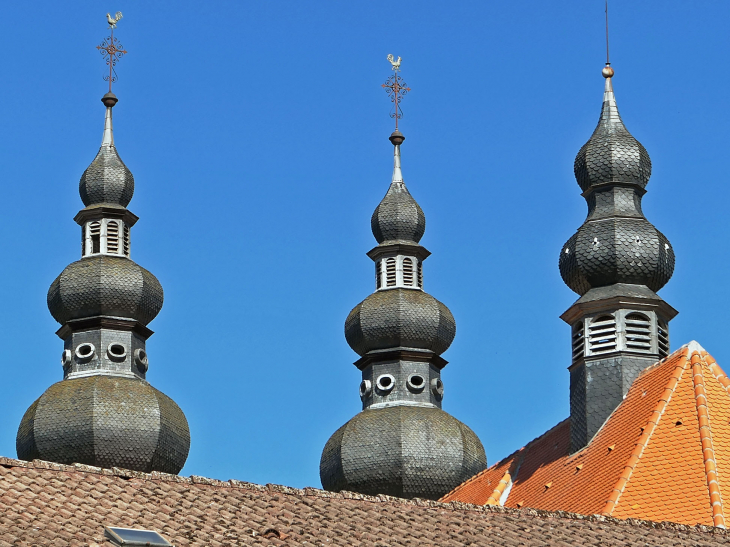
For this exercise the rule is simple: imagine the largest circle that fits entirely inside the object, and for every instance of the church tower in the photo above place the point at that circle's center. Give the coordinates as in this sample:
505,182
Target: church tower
104,412
616,262
402,443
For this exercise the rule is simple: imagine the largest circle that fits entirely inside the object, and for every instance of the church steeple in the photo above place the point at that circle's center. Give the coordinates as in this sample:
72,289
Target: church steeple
402,443
616,261
104,412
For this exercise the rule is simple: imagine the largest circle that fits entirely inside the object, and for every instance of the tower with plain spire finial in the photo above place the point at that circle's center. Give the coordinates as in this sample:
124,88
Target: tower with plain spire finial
104,412
402,443
616,262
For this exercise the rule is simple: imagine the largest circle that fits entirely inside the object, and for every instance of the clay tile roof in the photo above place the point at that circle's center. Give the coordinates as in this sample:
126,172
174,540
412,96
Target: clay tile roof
661,455
43,504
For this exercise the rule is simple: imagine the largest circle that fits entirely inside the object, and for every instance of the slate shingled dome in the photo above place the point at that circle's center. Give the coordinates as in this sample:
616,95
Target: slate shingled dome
107,180
398,217
105,421
403,451
400,318
105,285
616,244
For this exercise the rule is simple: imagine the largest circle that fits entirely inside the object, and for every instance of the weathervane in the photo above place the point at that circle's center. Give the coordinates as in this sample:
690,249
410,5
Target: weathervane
111,49
396,89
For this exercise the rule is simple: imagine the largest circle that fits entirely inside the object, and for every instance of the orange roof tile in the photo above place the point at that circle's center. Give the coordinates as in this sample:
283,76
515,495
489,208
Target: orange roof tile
660,456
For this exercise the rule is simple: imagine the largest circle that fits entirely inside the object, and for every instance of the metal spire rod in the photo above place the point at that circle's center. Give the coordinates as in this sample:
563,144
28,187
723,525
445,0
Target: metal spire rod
608,62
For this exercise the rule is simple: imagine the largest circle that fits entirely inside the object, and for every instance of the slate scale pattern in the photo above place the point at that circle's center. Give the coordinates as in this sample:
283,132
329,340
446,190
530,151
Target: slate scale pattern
104,412
402,444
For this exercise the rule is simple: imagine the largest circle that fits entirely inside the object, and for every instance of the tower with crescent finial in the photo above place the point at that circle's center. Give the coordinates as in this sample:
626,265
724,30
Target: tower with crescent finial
104,412
402,443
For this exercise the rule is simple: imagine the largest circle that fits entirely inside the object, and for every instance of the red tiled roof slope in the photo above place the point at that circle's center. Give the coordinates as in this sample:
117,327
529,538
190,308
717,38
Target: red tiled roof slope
50,504
660,456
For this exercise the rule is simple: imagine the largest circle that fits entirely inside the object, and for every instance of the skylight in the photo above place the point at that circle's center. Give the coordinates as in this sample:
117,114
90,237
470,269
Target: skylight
134,537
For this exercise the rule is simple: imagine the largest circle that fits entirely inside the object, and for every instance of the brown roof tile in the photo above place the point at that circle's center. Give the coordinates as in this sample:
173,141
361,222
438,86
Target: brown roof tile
72,504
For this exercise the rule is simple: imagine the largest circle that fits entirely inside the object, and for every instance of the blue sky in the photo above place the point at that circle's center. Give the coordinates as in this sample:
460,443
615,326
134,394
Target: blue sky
257,134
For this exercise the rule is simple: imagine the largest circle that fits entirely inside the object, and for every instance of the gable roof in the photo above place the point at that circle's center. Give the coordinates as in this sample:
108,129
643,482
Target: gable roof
661,455
42,503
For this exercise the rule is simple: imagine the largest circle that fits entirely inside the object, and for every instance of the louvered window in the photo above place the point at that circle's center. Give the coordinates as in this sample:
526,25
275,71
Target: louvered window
638,332
95,236
578,341
126,240
390,271
378,275
112,237
407,272
663,339
420,275
602,334
83,240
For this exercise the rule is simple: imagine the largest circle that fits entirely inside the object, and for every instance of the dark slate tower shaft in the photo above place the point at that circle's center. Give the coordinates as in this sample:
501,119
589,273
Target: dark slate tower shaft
402,444
104,412
616,261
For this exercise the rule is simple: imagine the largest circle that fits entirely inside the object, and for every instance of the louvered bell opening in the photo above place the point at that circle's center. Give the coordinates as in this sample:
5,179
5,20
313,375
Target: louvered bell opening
663,339
419,269
638,332
407,272
390,272
578,342
112,237
83,240
95,236
378,275
602,334
126,240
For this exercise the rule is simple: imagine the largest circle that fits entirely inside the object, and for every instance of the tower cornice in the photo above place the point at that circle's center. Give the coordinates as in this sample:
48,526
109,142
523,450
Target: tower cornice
96,212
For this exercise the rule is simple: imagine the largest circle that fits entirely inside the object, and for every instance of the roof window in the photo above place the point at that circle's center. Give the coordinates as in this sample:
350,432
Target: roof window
134,537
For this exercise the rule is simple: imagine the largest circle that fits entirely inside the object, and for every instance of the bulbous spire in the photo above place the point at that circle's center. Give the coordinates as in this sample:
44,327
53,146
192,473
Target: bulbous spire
107,180
398,217
612,154
616,244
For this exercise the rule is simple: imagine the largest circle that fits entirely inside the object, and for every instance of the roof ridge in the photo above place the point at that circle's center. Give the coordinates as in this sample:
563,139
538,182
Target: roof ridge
498,463
708,448
344,495
506,481
646,434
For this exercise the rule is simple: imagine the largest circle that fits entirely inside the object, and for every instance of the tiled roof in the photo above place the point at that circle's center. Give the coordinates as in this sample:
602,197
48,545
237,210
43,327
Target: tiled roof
661,455
43,503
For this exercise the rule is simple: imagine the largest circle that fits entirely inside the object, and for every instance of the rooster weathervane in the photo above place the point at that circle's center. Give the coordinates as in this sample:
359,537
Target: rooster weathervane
396,89
111,49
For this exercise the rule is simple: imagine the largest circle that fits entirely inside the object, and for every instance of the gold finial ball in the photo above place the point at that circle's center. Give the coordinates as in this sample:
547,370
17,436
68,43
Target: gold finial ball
607,72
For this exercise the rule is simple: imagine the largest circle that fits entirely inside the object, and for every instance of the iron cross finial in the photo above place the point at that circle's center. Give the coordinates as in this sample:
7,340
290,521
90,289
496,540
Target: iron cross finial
111,49
396,89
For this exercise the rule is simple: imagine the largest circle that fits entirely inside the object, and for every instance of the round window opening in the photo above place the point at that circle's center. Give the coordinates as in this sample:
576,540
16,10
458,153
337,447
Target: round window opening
66,357
117,352
416,383
385,382
366,387
140,359
85,351
437,388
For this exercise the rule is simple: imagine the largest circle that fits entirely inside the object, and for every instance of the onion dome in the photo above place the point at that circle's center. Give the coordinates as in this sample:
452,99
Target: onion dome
398,217
403,451
616,243
107,180
612,154
105,285
400,318
105,421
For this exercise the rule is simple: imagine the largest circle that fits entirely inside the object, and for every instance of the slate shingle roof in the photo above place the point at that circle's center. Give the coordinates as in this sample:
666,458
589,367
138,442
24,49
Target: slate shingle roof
43,503
664,454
